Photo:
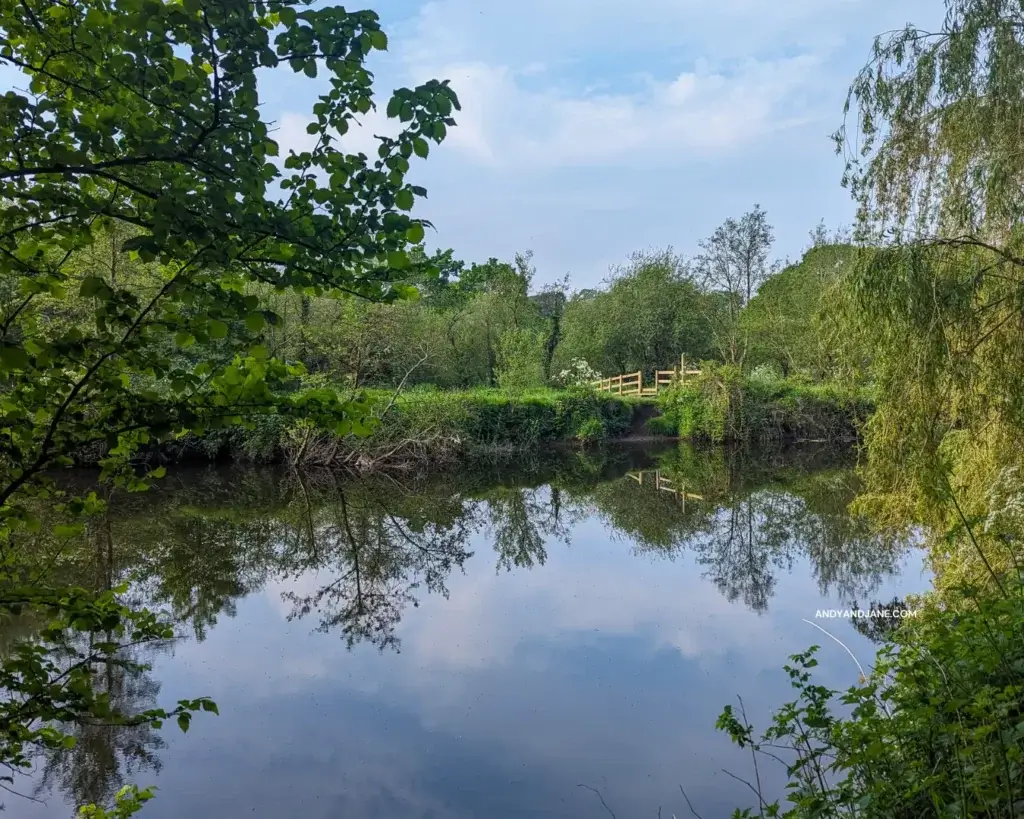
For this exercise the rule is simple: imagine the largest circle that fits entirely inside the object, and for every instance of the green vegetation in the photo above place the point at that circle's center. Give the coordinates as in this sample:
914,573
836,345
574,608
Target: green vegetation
169,284
427,428
931,311
723,404
935,731
146,227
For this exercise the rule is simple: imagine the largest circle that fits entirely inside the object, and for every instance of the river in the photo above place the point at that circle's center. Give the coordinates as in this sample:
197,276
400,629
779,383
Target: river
510,641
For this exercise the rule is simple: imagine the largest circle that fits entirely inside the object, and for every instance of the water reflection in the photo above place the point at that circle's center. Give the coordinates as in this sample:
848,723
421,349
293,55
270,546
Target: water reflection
378,551
104,757
352,559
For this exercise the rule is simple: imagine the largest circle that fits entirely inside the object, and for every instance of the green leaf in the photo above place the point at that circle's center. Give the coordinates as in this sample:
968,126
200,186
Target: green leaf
415,233
183,721
398,260
379,40
218,329
13,358
404,199
93,286
419,145
255,322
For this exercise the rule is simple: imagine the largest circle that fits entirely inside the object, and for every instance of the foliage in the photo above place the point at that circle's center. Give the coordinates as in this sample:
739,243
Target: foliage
732,265
520,360
935,730
429,428
128,801
723,405
487,418
788,322
49,679
649,315
938,115
578,373
146,221
935,164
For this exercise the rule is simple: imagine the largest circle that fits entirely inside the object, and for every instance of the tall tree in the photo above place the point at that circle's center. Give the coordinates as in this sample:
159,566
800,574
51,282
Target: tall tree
787,322
732,264
649,315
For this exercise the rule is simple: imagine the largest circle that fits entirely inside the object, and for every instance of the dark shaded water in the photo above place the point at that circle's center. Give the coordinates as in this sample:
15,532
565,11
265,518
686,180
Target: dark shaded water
474,645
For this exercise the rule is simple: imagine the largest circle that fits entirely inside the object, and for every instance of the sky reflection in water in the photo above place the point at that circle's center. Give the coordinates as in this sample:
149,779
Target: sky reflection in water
509,643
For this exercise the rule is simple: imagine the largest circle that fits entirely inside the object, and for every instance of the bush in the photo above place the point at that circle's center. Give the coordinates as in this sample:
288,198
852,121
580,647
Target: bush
578,374
936,730
722,405
590,430
520,360
429,427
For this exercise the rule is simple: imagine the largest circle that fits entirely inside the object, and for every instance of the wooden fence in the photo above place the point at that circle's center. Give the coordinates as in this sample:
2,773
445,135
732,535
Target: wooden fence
633,383
653,477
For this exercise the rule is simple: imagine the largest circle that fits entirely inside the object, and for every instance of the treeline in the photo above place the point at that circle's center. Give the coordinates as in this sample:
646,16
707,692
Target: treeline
454,325
491,324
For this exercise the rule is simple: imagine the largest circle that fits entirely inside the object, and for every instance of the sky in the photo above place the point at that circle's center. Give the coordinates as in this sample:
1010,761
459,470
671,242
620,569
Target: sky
592,129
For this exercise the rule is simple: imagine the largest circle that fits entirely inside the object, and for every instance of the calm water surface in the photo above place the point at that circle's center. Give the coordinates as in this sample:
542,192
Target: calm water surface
475,645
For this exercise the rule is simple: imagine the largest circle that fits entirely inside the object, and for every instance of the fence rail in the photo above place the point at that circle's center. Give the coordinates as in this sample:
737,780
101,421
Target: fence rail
633,383
664,484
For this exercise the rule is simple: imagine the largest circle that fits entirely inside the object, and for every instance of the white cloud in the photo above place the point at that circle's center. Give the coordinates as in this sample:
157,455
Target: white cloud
591,128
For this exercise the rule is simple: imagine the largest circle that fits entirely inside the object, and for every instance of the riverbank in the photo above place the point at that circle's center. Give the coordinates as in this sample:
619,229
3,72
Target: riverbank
728,409
431,428
427,429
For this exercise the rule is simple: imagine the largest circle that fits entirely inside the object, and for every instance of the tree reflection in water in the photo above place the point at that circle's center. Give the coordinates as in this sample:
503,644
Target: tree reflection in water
356,555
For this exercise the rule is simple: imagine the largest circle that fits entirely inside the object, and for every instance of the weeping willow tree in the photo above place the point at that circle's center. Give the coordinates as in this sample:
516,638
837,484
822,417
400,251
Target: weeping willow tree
933,139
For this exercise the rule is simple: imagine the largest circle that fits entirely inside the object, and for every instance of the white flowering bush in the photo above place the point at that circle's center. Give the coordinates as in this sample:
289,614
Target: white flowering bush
578,374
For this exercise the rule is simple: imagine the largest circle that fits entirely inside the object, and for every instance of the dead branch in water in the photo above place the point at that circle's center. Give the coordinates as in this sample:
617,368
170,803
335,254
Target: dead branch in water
320,448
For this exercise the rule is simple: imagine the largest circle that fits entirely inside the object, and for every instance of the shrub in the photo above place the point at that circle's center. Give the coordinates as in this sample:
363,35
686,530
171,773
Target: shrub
936,730
721,405
520,360
590,430
578,374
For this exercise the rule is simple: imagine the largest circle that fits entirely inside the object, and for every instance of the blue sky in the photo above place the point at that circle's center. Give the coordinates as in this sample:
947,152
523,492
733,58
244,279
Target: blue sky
594,128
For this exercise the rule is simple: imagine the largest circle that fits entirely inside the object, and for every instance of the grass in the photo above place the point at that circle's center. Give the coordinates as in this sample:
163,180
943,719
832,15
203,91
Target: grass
426,426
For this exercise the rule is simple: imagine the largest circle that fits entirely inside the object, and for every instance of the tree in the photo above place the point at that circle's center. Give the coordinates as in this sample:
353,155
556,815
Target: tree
550,304
140,133
934,164
732,264
785,322
649,315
